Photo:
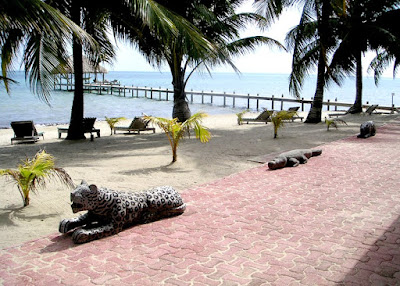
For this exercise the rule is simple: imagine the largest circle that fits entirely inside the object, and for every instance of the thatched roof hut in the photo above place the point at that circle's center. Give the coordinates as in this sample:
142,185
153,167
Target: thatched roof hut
88,67
90,73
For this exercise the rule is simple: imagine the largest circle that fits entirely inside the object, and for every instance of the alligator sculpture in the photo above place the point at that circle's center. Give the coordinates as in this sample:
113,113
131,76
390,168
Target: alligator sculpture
293,158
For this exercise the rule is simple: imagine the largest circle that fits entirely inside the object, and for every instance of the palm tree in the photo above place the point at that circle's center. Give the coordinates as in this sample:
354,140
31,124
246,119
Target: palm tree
391,51
33,173
362,26
91,16
175,130
334,123
311,44
112,121
128,20
278,118
323,11
218,21
43,32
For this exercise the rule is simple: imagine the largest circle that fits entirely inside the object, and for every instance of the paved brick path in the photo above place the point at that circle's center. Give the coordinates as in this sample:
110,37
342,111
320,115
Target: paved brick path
332,221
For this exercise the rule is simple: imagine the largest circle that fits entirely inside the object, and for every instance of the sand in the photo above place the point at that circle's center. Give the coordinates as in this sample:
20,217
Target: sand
138,162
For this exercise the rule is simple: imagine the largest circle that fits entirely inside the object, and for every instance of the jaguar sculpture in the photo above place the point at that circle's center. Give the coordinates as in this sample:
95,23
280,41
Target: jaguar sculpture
293,158
109,212
367,129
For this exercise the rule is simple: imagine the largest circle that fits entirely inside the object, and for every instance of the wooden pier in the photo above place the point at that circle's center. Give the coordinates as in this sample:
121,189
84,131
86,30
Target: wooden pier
234,100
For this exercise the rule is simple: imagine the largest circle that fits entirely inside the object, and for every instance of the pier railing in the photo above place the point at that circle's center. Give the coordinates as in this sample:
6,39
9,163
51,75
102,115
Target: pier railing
222,99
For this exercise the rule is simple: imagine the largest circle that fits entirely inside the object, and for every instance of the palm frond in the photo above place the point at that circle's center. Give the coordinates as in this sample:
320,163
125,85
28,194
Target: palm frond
334,122
175,130
272,9
240,116
34,173
168,24
301,67
249,44
96,23
42,57
10,43
194,122
38,26
278,118
113,121
6,81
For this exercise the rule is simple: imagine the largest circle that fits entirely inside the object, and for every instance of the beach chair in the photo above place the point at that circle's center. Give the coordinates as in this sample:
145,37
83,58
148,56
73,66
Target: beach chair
338,114
263,117
368,111
371,109
88,127
25,132
137,125
295,116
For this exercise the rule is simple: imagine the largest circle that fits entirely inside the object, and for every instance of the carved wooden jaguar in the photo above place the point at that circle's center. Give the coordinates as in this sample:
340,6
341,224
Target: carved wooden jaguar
110,211
367,129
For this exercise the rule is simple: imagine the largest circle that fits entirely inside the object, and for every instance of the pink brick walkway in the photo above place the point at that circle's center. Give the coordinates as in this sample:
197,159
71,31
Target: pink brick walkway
332,221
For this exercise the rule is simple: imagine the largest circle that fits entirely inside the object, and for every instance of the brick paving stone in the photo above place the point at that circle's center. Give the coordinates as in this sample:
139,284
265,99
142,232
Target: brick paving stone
333,221
203,280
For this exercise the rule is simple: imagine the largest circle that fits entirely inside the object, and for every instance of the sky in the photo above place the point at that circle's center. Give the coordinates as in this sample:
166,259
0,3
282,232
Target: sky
263,60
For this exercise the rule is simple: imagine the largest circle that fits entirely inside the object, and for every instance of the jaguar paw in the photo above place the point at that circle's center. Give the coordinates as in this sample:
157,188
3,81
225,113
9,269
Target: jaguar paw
66,225
81,236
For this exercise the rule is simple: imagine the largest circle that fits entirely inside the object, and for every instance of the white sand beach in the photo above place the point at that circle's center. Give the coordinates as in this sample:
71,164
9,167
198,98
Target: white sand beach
138,162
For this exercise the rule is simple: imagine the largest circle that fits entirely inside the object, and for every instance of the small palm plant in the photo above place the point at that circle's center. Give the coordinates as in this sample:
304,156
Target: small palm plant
334,123
32,173
113,121
278,118
240,116
175,130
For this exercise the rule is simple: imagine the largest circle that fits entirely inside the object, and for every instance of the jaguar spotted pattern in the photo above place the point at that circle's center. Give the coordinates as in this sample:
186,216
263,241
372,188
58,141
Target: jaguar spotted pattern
109,212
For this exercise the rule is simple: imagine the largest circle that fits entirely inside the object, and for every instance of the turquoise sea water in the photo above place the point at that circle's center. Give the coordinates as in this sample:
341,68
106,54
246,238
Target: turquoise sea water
21,104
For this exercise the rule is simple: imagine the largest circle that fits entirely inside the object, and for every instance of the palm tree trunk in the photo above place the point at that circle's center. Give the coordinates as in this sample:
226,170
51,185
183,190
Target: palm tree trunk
357,106
174,154
75,131
26,201
181,108
24,195
315,114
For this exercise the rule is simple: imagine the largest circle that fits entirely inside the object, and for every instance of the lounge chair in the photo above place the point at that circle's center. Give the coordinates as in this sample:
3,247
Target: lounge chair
88,127
294,117
263,117
371,109
368,111
338,114
137,125
25,131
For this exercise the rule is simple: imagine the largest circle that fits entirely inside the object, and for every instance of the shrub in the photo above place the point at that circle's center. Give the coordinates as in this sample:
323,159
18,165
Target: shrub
175,130
32,174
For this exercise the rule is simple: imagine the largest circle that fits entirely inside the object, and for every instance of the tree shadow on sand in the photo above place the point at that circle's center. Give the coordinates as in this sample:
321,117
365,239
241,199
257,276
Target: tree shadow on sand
169,168
9,214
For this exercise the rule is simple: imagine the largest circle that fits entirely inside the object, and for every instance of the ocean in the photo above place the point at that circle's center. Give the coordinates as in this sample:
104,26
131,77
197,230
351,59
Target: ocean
22,104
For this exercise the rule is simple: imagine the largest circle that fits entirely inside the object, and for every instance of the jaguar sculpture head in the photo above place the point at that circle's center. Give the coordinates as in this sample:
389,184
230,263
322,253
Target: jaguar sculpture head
84,198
